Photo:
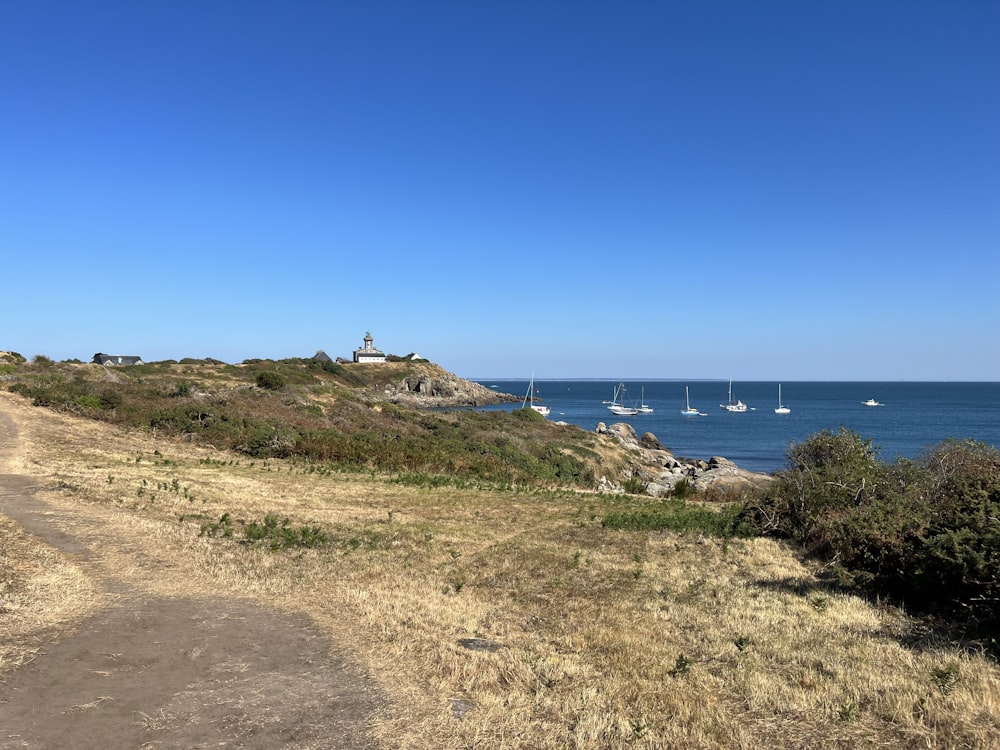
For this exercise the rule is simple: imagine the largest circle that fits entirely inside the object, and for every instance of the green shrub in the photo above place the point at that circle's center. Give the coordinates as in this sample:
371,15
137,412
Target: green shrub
565,467
89,401
634,486
270,380
683,489
529,415
181,390
925,532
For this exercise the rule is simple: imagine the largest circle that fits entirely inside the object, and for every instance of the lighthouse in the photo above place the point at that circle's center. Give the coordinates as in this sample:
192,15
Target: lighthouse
368,352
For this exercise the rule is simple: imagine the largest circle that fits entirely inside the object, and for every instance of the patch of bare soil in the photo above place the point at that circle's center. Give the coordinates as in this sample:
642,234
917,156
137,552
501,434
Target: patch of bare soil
148,670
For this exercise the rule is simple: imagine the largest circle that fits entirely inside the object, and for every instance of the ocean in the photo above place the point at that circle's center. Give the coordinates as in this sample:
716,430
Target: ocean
912,416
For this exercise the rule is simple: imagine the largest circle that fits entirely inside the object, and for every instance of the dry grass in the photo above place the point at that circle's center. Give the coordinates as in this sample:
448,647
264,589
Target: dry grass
604,639
41,595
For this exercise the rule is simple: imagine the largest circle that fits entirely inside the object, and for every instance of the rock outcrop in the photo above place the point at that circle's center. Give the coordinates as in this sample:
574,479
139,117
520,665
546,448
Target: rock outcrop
653,464
431,386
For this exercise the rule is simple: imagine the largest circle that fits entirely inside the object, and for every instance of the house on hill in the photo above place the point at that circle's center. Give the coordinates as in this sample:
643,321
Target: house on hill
116,359
368,353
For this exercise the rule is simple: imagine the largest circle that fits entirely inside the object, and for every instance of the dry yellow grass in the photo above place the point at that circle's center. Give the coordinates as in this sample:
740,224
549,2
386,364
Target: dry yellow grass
41,595
604,639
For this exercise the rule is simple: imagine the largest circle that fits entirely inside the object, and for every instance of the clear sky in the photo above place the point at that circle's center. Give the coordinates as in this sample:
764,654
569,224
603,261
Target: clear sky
775,190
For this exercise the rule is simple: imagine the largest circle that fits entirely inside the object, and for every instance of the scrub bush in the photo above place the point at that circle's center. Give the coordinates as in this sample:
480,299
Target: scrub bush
924,532
270,380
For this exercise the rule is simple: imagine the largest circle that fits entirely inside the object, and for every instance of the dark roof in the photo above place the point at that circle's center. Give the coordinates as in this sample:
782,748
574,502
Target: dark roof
116,359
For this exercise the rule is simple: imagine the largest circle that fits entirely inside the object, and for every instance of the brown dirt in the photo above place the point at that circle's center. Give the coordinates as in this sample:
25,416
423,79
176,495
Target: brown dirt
148,670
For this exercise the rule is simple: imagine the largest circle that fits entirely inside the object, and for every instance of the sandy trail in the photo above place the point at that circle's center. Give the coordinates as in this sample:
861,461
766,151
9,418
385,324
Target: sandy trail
154,671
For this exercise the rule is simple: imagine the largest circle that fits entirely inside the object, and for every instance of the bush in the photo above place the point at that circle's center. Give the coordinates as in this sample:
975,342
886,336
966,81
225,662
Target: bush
270,380
830,476
529,415
924,532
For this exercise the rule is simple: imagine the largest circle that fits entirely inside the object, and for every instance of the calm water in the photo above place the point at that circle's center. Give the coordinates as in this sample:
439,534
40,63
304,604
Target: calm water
912,417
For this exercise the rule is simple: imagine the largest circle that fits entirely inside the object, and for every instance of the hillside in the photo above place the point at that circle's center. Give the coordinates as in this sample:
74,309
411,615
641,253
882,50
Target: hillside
485,616
392,417
395,417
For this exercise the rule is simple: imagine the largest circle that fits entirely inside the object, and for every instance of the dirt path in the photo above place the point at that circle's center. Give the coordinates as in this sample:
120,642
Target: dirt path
152,671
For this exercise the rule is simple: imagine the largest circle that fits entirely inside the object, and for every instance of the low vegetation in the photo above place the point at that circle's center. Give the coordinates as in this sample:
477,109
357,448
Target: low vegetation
924,533
849,604
319,413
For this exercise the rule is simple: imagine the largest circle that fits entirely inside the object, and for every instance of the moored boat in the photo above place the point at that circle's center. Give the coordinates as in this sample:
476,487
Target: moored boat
530,398
643,407
781,408
617,407
731,405
687,411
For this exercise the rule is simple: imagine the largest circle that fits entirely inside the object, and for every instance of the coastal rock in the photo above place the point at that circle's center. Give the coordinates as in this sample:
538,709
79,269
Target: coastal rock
662,471
425,384
719,462
724,474
648,440
659,489
606,485
663,457
625,433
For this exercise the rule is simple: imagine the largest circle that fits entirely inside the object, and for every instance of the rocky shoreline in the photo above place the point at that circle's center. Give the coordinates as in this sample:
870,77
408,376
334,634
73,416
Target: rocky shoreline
662,471
433,387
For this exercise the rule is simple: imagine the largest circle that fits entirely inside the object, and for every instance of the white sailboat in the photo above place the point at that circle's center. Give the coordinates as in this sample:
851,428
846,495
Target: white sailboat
618,407
781,409
687,411
734,406
643,407
529,399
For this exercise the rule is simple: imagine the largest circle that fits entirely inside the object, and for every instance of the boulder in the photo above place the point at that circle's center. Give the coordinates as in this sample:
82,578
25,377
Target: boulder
661,457
624,432
606,485
648,440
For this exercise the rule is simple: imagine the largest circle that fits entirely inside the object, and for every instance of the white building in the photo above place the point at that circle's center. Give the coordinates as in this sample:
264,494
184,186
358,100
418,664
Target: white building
368,353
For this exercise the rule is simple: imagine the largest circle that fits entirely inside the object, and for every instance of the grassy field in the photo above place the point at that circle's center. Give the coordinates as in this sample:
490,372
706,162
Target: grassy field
505,618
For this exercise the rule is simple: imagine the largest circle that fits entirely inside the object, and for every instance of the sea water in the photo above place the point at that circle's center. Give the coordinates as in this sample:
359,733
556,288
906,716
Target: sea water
912,417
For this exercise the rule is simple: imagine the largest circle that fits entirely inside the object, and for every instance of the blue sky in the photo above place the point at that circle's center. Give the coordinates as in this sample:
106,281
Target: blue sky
768,190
